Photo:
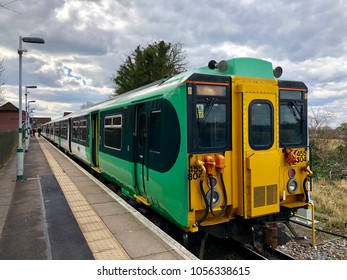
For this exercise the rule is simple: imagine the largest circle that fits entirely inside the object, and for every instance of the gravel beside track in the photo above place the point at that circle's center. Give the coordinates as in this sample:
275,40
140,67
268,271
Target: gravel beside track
328,247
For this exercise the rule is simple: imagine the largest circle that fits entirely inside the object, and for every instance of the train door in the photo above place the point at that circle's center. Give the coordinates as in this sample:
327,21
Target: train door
95,139
70,134
141,150
260,152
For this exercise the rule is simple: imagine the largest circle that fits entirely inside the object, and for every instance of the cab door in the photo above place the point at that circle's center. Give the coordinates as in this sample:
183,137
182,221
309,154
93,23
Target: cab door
260,153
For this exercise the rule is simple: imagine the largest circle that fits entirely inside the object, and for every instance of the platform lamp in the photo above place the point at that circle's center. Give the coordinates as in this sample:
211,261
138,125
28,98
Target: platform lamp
27,124
20,154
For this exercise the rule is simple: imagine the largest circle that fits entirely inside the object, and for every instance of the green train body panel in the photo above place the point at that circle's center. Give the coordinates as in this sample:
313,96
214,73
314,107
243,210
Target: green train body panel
166,190
118,171
247,67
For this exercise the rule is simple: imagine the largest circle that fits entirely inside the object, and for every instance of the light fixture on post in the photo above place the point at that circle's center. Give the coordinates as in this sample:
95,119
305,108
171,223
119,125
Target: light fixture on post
27,124
20,154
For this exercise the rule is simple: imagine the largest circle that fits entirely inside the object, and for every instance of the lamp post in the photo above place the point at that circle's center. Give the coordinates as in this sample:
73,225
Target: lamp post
20,155
27,124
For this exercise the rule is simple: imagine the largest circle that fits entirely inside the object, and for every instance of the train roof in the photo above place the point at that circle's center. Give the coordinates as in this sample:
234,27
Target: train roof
244,66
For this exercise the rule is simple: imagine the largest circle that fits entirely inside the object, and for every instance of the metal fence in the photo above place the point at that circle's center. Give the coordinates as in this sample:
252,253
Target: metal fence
8,145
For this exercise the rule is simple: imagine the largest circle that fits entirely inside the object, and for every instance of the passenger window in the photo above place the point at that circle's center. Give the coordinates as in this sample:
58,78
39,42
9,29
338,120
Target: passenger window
75,130
63,133
83,130
261,135
113,132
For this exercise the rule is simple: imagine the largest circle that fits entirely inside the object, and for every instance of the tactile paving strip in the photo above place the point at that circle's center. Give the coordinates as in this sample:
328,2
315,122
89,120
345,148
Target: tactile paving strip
101,241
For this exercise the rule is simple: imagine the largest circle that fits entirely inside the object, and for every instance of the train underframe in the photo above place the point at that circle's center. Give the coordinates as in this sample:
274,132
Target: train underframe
268,231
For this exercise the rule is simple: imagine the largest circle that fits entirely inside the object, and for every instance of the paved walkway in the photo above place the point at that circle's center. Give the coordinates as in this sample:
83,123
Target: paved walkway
36,221
59,211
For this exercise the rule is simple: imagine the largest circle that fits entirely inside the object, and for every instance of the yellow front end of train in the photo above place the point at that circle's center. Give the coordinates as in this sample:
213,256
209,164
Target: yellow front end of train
274,175
265,172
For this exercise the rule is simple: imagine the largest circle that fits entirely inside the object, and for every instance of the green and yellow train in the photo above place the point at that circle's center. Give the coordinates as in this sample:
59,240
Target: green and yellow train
221,149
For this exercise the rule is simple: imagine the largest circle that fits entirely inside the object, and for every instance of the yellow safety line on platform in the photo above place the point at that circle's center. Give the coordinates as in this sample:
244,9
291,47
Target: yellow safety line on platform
101,241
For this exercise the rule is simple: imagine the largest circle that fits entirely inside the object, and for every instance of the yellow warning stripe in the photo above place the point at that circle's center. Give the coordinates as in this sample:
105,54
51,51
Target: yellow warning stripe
101,241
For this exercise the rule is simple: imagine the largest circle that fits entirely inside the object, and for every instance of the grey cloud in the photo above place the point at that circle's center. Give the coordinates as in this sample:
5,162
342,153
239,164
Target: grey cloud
306,37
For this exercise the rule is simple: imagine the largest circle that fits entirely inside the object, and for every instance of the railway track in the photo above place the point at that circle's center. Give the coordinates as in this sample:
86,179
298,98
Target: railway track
228,249
268,254
329,245
321,230
275,254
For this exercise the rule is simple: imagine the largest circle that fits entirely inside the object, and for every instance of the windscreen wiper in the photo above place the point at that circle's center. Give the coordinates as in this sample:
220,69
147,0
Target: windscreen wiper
293,107
209,106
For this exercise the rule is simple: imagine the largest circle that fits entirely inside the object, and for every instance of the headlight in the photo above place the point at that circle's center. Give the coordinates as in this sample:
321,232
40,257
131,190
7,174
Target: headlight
292,186
215,198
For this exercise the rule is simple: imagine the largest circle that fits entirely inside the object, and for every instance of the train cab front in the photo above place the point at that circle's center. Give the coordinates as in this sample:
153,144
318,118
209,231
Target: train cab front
248,152
209,146
276,172
293,141
294,178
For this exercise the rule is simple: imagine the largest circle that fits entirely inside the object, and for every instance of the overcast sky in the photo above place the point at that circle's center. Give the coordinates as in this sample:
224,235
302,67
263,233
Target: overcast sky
87,40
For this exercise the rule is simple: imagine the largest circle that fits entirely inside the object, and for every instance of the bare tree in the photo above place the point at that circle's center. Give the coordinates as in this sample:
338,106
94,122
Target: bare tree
319,122
342,130
87,105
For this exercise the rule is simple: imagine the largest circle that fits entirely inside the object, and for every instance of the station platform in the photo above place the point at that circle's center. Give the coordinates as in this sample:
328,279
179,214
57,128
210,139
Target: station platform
61,212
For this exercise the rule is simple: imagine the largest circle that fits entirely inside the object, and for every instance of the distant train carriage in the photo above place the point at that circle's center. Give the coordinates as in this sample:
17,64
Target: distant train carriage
223,149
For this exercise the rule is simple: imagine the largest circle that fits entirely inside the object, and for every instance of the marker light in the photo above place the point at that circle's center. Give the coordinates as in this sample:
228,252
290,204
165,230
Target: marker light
291,173
212,181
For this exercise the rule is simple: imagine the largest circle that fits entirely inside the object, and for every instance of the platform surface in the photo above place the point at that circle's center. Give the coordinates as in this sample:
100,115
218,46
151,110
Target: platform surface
59,211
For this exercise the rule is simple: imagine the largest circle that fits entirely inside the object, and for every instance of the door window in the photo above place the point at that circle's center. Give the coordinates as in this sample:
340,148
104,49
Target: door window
142,131
261,128
154,143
